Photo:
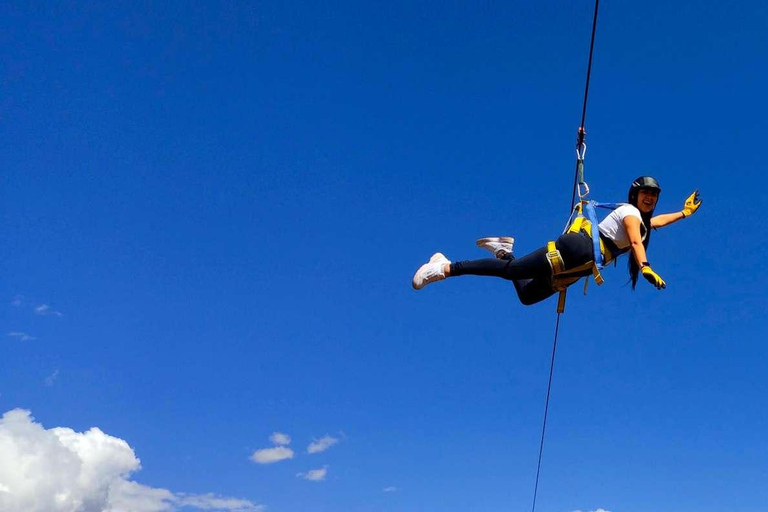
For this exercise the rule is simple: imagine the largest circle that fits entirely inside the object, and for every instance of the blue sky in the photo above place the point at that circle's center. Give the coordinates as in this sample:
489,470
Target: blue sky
212,212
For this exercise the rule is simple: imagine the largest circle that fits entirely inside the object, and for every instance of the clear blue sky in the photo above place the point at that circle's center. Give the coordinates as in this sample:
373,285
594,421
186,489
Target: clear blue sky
225,203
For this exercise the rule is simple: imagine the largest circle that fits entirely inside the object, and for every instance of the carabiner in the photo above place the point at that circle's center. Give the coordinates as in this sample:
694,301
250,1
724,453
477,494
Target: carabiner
581,151
585,193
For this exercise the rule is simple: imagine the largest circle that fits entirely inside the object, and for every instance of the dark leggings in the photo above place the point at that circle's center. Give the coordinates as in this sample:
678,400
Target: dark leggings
531,274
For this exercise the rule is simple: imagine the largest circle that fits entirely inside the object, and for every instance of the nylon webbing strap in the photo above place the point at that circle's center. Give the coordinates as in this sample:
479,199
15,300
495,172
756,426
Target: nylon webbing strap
591,215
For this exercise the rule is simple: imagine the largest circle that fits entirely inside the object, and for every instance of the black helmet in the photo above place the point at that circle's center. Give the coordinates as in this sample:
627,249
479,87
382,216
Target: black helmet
641,183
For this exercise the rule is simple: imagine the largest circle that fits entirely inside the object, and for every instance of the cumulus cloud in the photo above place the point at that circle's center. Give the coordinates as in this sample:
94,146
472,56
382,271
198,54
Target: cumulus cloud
391,488
45,309
128,496
596,510
21,336
272,455
60,470
280,439
314,475
322,444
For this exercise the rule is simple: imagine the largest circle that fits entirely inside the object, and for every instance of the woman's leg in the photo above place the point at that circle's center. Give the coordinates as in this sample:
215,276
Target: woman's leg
531,291
528,267
530,274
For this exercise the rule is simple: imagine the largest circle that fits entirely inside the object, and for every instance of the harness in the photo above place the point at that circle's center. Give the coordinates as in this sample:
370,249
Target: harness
585,221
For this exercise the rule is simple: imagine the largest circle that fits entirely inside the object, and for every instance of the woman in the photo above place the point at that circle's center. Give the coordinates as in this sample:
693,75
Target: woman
625,229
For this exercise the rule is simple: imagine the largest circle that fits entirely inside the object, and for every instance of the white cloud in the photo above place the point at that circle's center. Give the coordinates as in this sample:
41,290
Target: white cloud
51,379
280,438
17,300
272,455
22,336
45,309
314,475
391,488
60,470
596,510
212,502
322,444
128,496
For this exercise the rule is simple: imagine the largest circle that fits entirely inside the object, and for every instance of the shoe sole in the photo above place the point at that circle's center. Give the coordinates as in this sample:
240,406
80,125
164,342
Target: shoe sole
498,254
505,239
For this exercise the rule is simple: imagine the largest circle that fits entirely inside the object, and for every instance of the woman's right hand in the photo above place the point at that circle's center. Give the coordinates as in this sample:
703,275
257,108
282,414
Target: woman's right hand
653,278
691,204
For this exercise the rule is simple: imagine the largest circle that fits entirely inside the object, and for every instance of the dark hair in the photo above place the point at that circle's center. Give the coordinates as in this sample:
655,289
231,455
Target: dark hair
641,183
634,268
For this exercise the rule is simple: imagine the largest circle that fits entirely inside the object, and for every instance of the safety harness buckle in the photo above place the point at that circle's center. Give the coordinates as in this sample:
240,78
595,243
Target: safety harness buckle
555,259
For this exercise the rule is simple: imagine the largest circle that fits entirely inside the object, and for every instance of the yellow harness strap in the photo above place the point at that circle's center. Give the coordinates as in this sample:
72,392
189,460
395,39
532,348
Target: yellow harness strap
561,279
558,268
555,260
557,264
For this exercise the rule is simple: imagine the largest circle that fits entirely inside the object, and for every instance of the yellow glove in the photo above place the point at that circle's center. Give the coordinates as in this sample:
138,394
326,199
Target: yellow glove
652,277
691,204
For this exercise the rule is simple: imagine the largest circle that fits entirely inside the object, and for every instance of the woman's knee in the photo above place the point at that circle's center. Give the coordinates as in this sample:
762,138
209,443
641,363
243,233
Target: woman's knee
534,292
528,299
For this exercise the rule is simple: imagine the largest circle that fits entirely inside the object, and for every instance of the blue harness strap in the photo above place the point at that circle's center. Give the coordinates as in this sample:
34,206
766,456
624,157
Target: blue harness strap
583,210
591,214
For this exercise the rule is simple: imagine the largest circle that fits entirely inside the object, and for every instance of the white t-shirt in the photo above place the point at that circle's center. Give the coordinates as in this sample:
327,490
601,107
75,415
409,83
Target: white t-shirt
612,227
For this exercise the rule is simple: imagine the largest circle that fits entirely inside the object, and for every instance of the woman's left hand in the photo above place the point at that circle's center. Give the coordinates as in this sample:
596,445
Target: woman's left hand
691,204
652,277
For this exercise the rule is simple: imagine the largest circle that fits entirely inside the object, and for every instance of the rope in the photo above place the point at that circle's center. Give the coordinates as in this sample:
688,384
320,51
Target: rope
579,160
546,409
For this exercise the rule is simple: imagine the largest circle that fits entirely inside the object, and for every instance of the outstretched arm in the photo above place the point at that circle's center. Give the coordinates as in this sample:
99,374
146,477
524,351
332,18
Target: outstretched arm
665,219
632,225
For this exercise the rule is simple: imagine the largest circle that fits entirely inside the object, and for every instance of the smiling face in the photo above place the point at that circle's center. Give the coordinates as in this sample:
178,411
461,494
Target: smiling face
646,199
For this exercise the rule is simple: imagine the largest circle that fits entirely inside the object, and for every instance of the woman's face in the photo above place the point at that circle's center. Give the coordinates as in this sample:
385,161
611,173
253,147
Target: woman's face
646,199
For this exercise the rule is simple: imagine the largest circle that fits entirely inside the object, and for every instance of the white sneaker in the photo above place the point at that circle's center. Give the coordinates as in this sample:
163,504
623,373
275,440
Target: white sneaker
500,246
430,272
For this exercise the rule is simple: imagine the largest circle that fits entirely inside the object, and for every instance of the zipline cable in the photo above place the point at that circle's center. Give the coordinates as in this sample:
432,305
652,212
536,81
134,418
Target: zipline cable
582,133
546,409
580,149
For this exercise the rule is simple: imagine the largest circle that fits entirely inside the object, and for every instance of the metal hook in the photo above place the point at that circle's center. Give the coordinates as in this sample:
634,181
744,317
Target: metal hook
581,150
585,193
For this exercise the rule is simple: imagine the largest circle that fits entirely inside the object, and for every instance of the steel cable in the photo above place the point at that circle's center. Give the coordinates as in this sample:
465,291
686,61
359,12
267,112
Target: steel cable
579,142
